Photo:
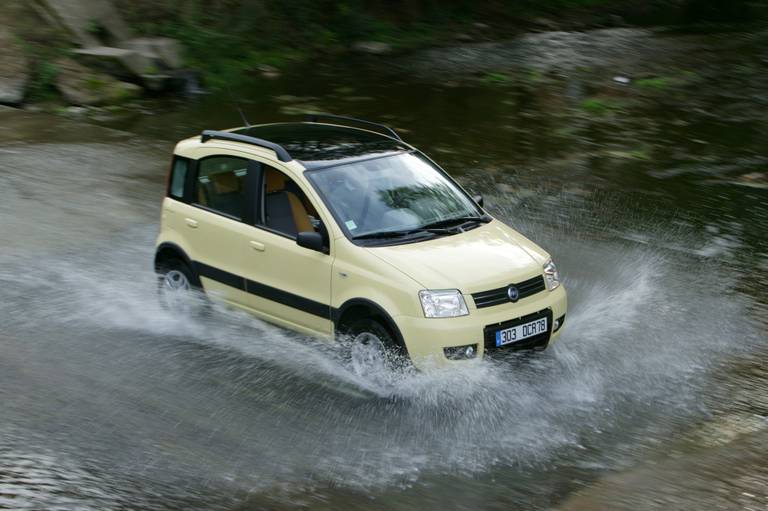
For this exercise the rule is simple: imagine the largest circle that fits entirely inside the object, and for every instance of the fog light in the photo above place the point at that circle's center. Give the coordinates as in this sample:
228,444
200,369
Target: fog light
558,323
460,352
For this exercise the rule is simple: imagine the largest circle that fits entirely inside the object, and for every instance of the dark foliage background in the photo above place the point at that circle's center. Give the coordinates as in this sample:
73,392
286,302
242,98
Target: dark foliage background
224,38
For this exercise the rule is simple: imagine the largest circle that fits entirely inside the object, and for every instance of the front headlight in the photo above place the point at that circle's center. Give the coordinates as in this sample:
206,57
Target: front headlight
551,276
446,303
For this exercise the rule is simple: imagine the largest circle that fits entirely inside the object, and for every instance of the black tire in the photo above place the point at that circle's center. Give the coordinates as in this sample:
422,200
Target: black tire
182,272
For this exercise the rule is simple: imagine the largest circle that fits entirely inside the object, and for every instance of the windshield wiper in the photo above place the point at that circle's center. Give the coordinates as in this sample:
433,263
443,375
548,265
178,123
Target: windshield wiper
459,220
432,228
400,233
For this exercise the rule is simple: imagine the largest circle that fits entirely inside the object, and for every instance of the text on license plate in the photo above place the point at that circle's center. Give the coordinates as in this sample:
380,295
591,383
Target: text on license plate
520,332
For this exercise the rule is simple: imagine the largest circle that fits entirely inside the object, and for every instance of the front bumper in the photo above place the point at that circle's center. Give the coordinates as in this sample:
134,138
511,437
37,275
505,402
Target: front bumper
425,338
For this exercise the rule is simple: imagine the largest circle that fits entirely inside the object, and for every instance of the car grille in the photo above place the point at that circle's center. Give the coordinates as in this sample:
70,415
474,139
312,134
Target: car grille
498,296
537,341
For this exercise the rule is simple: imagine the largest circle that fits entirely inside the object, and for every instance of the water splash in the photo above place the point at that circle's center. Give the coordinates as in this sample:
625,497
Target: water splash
641,333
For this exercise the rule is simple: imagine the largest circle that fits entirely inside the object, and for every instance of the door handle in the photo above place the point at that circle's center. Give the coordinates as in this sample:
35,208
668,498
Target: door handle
257,246
191,223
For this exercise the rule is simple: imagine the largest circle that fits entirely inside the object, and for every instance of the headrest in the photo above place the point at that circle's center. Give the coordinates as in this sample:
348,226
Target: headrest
275,181
225,183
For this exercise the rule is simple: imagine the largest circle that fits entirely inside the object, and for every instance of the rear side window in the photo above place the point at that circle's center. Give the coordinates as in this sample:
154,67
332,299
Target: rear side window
179,172
221,183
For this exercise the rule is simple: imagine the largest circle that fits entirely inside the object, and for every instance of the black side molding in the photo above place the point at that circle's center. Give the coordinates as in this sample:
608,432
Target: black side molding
389,131
264,291
279,150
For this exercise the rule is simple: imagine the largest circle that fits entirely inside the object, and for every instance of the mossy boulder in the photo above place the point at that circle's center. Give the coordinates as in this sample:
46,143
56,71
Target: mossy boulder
80,85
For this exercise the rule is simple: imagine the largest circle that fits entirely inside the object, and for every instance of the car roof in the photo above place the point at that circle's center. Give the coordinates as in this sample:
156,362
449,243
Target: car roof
320,145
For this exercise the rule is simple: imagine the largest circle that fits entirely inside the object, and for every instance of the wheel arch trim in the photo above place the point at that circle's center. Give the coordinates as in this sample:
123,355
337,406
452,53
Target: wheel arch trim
378,310
174,248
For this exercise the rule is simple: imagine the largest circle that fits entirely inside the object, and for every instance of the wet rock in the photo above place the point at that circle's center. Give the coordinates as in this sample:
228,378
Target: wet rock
754,176
627,52
91,22
268,71
120,62
75,111
546,24
189,82
372,47
14,69
157,82
617,21
299,109
167,50
753,179
82,86
152,60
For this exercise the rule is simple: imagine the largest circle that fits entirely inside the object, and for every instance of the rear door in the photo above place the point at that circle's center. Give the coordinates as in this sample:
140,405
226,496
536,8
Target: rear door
215,224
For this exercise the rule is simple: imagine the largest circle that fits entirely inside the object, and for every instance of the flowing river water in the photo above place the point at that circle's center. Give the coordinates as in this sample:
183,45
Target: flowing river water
636,159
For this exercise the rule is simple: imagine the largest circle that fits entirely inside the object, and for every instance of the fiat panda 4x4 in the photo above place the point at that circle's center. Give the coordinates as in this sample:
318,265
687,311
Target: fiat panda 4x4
337,226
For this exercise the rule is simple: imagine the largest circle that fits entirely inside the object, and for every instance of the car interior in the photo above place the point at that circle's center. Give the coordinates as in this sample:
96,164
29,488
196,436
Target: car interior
286,208
221,184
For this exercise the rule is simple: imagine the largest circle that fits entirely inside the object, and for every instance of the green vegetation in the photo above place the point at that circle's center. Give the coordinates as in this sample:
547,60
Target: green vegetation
42,44
231,41
227,40
42,83
657,83
227,51
496,78
95,84
677,79
599,106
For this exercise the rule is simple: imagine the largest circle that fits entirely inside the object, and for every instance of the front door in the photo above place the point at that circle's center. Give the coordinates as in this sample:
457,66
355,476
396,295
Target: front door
288,284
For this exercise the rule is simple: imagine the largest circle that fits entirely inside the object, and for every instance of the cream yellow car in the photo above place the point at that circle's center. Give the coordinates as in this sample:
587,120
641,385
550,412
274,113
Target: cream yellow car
337,228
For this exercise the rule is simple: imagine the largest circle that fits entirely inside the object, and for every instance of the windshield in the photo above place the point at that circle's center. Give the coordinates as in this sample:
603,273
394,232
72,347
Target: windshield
394,193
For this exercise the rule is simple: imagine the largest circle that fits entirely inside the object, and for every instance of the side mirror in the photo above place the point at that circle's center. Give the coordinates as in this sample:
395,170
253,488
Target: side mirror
310,240
479,200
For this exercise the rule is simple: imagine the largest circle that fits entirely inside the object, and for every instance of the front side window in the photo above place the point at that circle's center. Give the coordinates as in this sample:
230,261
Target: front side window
221,184
394,193
285,207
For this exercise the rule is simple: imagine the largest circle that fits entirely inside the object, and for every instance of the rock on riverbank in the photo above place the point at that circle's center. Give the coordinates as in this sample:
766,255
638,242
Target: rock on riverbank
14,69
82,86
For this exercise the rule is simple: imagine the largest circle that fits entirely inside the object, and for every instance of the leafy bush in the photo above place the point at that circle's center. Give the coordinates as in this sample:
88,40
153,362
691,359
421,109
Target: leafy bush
42,85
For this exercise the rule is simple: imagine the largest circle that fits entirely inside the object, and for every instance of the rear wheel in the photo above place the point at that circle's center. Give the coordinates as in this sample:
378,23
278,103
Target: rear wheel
178,288
373,350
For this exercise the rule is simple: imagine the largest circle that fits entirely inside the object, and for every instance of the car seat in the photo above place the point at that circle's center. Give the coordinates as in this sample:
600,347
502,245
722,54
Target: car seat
284,210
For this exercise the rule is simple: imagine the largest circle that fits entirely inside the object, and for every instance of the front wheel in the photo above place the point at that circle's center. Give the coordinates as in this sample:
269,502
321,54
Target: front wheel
373,350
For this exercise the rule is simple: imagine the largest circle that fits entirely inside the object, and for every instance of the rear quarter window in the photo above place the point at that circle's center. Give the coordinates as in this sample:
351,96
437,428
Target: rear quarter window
179,174
221,184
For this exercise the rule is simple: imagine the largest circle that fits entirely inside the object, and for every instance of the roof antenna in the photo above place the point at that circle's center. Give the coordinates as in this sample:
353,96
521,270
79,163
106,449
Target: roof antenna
237,105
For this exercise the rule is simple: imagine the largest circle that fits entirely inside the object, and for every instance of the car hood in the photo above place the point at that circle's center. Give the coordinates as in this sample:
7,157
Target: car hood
490,256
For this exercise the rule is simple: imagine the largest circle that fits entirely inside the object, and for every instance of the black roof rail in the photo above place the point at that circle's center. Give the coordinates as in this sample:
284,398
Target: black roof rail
279,150
390,132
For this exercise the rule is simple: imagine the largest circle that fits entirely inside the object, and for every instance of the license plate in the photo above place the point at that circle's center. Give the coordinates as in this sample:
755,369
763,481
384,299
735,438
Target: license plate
520,332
